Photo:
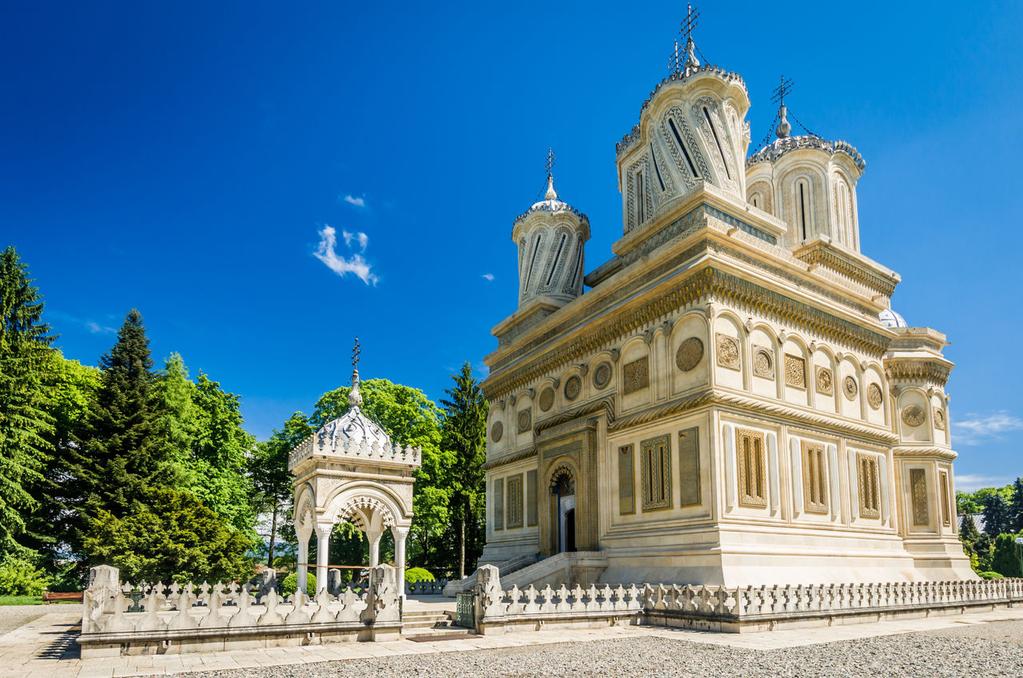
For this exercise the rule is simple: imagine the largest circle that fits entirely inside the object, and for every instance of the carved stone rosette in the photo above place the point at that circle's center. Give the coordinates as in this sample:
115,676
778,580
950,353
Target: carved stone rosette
850,388
795,371
913,415
763,362
689,354
602,375
728,352
546,400
874,396
497,431
573,387
825,381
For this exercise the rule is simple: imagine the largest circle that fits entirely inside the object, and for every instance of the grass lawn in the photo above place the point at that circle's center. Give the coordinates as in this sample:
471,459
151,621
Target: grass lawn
21,600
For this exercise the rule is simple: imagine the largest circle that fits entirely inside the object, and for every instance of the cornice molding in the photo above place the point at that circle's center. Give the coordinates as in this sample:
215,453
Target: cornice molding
746,405
510,458
941,453
706,282
868,274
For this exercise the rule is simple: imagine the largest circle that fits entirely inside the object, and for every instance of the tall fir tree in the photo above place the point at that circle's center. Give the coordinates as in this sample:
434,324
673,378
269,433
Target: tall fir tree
463,432
25,421
996,515
123,441
1016,506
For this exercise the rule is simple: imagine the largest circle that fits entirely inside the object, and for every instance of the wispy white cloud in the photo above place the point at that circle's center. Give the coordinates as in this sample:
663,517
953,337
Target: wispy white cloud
96,328
355,264
971,482
489,277
358,237
977,429
355,201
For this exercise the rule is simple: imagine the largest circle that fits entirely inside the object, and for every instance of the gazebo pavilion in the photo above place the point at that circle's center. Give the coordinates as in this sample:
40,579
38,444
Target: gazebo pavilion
350,470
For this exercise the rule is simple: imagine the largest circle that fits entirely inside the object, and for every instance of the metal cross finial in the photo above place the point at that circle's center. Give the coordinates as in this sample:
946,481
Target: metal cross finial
550,162
685,59
356,351
782,90
354,396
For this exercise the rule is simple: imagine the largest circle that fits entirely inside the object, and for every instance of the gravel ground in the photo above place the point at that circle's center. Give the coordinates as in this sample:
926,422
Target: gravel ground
994,649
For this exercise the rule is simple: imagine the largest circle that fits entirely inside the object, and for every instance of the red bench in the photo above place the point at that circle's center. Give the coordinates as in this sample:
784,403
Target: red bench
57,596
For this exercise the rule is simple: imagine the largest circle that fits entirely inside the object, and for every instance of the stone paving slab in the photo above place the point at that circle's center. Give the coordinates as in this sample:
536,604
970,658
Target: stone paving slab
28,650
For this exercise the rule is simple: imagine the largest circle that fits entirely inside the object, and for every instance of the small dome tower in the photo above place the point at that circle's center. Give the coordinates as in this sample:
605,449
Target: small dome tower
550,236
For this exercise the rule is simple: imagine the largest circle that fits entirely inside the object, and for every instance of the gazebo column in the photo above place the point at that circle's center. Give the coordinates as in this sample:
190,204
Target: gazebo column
302,567
399,534
374,546
323,531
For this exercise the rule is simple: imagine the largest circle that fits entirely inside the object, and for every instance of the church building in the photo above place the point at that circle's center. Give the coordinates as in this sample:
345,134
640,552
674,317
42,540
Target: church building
729,398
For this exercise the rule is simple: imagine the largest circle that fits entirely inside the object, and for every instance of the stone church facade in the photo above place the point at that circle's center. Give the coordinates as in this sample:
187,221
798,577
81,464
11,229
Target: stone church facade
732,400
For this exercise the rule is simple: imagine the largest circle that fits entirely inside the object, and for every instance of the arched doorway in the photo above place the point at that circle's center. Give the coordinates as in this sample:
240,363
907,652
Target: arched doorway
563,497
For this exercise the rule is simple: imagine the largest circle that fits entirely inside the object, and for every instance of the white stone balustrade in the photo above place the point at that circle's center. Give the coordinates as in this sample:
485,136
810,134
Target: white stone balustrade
324,446
730,608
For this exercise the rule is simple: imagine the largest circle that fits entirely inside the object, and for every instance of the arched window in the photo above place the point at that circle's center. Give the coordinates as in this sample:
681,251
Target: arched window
843,212
757,200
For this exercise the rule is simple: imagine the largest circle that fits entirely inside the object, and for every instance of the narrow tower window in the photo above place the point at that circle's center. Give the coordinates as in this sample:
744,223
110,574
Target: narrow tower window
532,261
640,199
657,169
681,144
803,207
717,141
557,258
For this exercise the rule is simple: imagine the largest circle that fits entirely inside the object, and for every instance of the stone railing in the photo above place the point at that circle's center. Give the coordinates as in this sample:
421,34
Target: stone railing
727,609
313,446
149,618
426,588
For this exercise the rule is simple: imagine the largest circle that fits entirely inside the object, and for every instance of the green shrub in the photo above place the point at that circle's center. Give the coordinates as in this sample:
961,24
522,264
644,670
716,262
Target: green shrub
414,575
1008,556
19,577
290,584
990,575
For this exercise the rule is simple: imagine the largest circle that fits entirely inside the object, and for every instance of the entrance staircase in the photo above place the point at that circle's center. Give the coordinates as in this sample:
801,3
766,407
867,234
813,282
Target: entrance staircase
456,586
576,567
430,625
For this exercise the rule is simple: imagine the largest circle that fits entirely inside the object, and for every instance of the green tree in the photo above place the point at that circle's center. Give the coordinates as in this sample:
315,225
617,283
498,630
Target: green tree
169,535
1007,559
57,524
968,532
271,479
1016,506
25,421
996,514
464,435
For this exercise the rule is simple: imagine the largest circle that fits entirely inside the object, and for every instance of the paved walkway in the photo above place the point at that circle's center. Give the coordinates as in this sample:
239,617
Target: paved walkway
46,646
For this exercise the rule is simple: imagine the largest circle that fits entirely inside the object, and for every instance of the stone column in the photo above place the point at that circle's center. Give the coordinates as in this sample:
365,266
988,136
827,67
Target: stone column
399,557
323,531
374,547
303,560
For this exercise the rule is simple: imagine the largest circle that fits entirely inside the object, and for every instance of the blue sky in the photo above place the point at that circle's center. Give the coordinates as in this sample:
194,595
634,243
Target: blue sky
185,159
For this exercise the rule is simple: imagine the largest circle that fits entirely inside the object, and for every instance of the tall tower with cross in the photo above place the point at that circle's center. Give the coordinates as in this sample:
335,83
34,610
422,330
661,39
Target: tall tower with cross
550,236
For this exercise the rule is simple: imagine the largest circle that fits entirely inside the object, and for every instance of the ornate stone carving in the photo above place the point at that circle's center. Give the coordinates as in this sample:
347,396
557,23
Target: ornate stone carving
525,419
497,431
912,415
573,386
874,396
825,381
795,371
728,352
763,362
546,401
602,375
850,388
636,375
939,418
689,354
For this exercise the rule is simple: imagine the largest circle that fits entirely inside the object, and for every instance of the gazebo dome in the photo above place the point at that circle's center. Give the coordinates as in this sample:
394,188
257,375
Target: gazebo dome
892,319
353,426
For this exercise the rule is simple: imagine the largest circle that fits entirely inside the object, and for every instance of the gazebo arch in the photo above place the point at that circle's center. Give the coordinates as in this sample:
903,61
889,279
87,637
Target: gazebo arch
350,470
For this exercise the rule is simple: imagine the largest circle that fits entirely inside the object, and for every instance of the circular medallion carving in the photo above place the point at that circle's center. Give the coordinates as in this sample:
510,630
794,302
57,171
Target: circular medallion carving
546,399
939,418
874,396
525,420
573,387
728,351
602,375
763,363
913,415
689,354
850,388
825,381
496,431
